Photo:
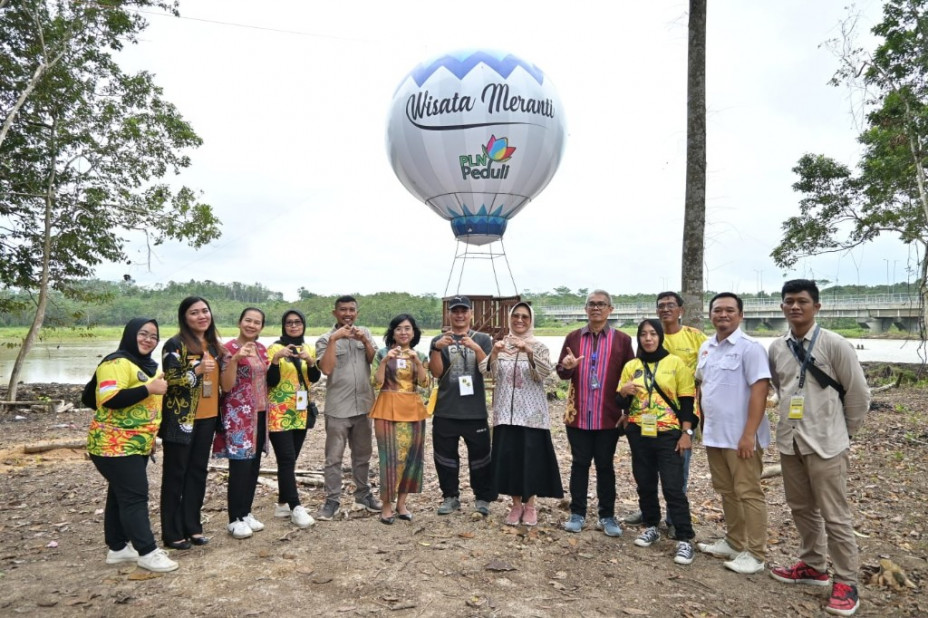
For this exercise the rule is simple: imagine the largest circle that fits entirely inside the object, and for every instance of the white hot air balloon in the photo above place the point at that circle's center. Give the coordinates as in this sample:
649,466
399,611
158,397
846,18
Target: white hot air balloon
476,135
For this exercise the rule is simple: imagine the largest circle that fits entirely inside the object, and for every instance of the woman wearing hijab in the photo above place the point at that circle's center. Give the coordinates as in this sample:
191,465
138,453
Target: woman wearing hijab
121,439
657,389
399,415
193,361
244,420
288,411
524,464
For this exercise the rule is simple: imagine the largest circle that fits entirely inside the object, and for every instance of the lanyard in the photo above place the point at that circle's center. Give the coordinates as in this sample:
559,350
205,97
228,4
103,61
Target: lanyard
804,361
652,376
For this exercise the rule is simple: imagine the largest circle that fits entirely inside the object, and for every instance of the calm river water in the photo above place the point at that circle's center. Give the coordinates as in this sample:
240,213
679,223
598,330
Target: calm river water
74,362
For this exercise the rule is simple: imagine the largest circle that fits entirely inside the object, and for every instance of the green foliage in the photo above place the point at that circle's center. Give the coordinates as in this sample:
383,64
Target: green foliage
842,207
83,161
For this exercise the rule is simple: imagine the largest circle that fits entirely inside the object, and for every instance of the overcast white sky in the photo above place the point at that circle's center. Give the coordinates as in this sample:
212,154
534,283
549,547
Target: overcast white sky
293,108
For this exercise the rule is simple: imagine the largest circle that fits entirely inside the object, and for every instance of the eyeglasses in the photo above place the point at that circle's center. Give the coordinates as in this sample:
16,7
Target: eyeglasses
662,306
521,316
293,323
597,305
143,336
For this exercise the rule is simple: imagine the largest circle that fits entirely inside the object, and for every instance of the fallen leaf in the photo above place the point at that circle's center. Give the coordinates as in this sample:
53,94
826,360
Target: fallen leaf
139,575
499,565
466,535
631,611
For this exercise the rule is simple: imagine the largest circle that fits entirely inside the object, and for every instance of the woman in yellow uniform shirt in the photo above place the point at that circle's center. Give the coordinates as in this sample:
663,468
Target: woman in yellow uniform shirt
120,441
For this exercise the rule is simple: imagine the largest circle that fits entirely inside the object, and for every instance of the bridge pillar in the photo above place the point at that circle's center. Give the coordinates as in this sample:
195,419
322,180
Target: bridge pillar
907,324
779,325
876,326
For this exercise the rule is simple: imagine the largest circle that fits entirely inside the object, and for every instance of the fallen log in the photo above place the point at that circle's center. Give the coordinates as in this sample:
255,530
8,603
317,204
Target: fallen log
270,471
41,447
311,481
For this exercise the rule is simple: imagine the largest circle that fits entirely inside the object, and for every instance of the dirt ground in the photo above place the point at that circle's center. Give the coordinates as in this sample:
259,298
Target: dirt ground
52,551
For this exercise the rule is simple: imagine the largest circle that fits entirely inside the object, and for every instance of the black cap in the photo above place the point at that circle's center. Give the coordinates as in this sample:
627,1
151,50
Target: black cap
459,301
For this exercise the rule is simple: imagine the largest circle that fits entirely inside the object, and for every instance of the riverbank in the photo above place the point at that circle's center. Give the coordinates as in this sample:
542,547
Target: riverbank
52,551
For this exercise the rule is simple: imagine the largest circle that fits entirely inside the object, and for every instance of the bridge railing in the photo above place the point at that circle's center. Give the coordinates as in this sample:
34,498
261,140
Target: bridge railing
751,305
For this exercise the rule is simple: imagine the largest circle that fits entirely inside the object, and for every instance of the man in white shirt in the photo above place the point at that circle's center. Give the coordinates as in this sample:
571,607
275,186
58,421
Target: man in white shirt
734,375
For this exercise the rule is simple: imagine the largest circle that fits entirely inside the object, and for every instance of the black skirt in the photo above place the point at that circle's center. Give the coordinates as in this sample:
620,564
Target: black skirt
524,463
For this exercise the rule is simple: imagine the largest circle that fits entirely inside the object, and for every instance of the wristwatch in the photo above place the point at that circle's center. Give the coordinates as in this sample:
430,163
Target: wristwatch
688,432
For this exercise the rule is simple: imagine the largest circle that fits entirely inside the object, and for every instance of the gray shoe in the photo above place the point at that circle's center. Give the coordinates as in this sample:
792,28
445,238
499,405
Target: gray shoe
609,525
328,511
482,507
575,523
370,503
635,519
449,506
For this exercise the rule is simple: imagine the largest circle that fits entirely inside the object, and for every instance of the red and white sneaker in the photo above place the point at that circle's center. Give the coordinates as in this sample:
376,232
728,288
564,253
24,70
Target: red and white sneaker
800,573
844,600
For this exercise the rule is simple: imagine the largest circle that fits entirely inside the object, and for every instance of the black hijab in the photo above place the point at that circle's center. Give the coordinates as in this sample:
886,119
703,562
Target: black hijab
286,339
660,352
129,347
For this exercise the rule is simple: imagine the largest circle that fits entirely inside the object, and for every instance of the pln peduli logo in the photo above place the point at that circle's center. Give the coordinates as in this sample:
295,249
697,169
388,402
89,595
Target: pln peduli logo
480,166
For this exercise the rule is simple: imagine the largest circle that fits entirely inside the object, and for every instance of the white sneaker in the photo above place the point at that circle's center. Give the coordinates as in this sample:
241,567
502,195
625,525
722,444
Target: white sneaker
300,518
254,524
239,529
126,554
745,563
157,562
282,510
719,549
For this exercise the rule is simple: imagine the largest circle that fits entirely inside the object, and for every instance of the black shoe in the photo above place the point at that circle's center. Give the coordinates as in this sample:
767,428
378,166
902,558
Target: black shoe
388,520
182,544
199,540
405,516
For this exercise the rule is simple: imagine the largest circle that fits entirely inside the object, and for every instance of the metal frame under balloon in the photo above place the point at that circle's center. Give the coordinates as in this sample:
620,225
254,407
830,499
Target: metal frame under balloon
466,251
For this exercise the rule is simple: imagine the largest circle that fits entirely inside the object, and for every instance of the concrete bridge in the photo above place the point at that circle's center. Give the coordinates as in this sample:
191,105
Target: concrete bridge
877,313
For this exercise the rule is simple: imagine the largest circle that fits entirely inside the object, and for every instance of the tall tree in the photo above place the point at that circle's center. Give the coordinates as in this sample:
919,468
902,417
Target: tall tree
85,149
694,216
843,208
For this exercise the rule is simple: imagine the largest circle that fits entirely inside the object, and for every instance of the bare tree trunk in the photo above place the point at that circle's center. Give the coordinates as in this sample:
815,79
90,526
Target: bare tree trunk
694,217
8,121
42,304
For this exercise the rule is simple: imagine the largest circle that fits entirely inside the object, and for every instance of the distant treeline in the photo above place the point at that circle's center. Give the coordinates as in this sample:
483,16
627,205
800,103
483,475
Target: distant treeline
105,303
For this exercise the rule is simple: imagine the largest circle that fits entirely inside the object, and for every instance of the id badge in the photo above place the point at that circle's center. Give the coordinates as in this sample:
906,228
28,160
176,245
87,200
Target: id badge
401,363
649,425
796,407
302,400
466,385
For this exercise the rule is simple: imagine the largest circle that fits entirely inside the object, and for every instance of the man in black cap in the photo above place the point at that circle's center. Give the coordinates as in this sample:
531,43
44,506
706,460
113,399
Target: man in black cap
461,410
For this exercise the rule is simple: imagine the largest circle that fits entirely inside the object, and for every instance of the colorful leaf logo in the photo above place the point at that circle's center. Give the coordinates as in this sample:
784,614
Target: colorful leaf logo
498,150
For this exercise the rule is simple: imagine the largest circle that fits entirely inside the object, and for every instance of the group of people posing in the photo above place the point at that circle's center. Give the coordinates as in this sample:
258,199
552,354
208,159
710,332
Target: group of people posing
233,400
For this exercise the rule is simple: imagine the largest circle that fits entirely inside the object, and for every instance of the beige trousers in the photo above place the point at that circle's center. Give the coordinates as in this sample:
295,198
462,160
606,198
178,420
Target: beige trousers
737,481
816,491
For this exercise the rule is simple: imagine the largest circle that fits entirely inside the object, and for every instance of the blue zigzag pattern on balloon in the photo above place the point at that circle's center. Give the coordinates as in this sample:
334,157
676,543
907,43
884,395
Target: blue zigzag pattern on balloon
461,63
481,223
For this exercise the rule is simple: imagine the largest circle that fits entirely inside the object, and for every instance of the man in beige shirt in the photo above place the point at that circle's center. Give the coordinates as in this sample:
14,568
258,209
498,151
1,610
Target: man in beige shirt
823,400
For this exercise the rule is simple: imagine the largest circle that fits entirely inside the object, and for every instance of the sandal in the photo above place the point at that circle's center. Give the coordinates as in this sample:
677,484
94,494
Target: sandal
388,520
405,516
180,545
